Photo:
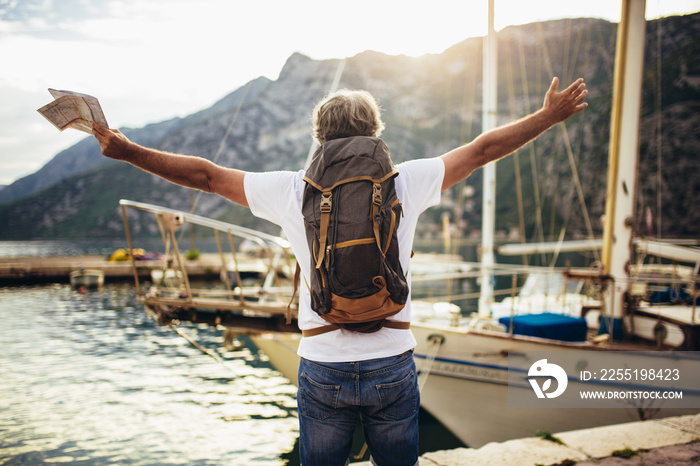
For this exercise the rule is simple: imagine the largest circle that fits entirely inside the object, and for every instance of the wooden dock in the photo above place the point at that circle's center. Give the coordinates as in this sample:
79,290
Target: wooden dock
57,269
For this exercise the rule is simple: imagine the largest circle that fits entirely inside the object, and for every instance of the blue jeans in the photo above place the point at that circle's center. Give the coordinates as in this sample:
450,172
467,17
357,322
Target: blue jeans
382,393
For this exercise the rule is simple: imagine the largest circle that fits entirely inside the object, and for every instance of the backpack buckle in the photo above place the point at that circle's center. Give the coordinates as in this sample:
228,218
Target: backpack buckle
326,202
377,194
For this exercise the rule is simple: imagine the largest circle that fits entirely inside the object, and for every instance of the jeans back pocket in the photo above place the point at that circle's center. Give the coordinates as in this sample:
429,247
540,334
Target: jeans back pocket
398,400
317,400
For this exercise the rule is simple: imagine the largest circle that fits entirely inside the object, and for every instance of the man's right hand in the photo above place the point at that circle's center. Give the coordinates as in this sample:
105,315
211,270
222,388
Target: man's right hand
561,105
113,143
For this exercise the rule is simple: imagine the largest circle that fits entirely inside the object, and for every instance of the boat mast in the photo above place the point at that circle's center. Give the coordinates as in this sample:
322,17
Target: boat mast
623,155
488,220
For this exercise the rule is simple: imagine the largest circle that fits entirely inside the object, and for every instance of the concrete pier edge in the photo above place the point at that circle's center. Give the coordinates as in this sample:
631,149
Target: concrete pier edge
593,446
56,269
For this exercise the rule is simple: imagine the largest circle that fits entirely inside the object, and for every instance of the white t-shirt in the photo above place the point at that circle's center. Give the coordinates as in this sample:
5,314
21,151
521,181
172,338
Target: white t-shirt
277,197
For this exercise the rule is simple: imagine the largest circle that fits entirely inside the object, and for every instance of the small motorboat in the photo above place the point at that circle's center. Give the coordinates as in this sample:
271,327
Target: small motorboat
87,278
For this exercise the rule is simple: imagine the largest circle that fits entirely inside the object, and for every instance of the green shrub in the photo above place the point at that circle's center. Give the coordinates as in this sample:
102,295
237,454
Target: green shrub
192,254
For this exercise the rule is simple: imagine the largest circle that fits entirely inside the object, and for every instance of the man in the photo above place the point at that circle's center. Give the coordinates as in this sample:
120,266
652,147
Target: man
344,375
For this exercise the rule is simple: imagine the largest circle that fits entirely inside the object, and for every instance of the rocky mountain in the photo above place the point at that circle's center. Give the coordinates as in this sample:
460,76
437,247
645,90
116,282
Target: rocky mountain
431,104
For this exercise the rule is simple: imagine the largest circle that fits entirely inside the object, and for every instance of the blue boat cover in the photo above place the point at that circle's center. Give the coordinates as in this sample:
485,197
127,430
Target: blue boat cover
548,325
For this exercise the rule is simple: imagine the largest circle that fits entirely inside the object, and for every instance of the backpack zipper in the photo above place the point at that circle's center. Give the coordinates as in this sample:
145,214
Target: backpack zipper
330,248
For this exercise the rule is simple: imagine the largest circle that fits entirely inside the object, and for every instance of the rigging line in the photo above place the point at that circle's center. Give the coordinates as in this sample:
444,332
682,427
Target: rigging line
569,197
579,190
555,178
644,208
567,217
550,71
571,57
567,44
222,144
334,87
659,176
465,134
314,143
577,47
562,233
516,156
533,155
448,108
569,152
545,50
572,67
470,91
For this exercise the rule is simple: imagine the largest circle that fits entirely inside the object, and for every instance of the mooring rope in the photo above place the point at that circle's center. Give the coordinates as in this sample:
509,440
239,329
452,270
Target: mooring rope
427,366
221,362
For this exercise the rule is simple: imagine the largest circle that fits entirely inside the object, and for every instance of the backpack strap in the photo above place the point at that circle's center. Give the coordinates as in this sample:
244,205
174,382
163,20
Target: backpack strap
397,324
319,330
331,327
376,203
297,274
326,205
393,225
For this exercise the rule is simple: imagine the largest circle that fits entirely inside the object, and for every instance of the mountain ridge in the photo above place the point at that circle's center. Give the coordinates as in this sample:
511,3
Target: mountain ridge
431,104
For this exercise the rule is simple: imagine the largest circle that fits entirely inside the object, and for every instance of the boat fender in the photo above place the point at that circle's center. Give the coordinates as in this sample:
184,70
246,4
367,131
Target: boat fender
660,333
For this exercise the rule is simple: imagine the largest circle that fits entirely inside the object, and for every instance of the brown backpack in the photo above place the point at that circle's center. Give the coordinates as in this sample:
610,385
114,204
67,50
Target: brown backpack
351,215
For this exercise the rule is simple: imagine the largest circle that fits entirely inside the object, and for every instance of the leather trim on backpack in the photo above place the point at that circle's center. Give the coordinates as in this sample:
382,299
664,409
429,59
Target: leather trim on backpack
354,242
380,305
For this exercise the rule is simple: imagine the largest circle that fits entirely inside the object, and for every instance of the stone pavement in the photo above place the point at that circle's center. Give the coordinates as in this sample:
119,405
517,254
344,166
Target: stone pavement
669,441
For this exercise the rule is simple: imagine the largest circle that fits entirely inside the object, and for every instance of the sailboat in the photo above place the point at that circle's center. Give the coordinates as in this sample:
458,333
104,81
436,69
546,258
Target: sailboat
468,363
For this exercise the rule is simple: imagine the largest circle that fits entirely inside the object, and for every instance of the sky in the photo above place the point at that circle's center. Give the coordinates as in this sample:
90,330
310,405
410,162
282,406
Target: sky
151,60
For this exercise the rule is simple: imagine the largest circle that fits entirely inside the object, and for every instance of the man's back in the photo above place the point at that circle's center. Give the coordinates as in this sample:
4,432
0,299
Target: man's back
277,197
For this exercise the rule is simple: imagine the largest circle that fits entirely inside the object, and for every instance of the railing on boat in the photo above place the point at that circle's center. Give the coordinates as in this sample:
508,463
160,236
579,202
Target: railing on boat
234,302
172,296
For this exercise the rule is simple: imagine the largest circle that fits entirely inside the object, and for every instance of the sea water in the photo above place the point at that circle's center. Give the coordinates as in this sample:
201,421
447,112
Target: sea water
90,379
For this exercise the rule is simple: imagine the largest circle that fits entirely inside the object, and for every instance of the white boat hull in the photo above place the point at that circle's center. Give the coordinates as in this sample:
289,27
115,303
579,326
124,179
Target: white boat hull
467,388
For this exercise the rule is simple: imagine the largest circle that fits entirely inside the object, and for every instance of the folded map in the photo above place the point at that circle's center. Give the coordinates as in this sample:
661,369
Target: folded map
73,110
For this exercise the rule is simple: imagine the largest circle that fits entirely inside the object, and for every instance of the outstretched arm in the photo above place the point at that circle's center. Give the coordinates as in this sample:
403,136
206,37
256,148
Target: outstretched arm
504,140
184,170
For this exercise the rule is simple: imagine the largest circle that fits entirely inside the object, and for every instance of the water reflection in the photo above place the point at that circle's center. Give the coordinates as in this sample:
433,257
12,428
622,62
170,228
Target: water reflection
90,379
